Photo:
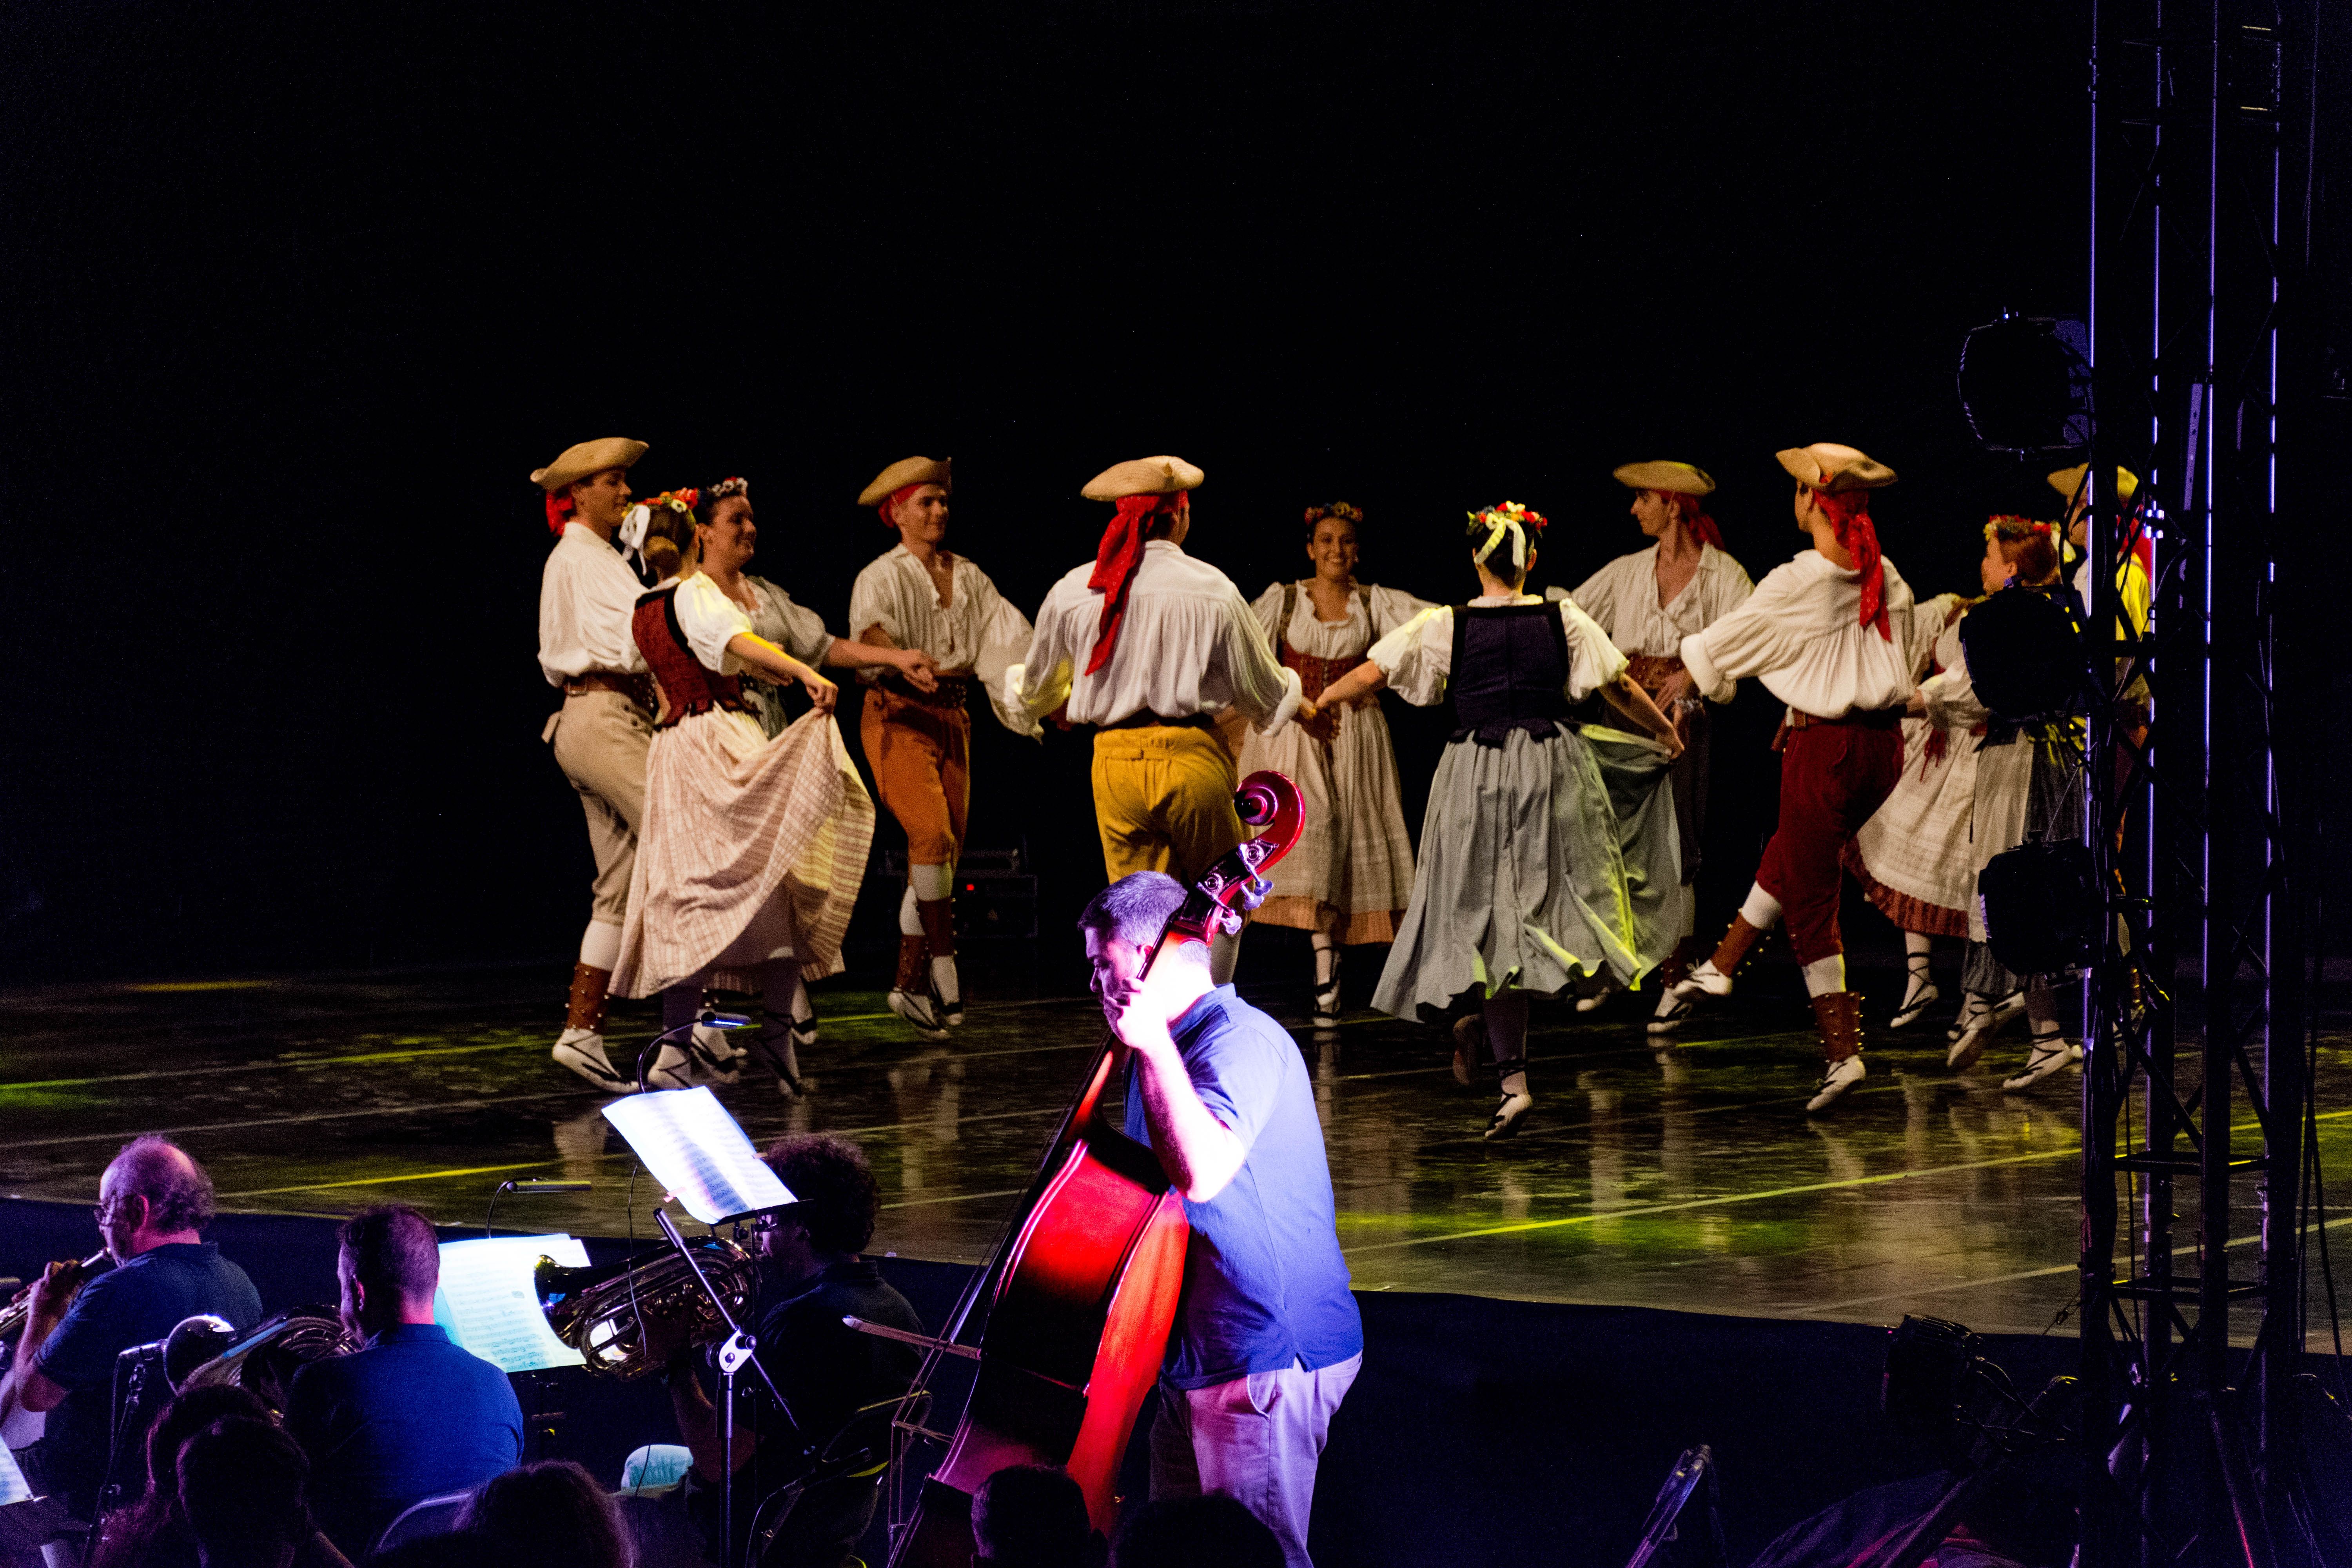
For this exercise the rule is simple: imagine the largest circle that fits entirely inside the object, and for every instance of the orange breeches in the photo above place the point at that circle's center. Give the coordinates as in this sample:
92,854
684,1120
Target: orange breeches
921,758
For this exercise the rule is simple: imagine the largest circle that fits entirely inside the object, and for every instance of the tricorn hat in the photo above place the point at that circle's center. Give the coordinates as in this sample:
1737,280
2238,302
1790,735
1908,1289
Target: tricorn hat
1143,477
1683,478
1834,470
579,462
2067,481
904,472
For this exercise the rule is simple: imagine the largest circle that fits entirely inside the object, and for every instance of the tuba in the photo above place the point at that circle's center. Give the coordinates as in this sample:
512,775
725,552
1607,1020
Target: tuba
266,1358
603,1312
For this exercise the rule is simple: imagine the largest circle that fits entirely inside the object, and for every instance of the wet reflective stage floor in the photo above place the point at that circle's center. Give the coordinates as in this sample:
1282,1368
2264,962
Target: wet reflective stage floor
1686,1177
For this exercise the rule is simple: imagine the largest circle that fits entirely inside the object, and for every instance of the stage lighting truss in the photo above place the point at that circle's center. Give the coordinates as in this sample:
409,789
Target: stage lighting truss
2198,821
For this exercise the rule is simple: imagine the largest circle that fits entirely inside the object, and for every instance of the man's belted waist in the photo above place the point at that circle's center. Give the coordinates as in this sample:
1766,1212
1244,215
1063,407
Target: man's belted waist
638,688
955,691
1148,720
1858,719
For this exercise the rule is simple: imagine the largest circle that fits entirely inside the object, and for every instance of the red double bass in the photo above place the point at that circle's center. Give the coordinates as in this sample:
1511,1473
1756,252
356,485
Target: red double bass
1082,1288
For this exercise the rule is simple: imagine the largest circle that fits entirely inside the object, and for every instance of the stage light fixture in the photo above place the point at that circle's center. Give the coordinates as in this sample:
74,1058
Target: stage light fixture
2025,385
2026,658
2043,909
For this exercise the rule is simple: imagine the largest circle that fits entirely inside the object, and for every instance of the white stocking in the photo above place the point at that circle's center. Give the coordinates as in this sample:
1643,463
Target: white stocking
1761,909
1824,975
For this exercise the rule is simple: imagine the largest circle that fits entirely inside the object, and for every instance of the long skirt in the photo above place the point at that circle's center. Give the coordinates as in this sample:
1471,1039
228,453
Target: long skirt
2026,794
1913,856
1353,863
1541,861
749,844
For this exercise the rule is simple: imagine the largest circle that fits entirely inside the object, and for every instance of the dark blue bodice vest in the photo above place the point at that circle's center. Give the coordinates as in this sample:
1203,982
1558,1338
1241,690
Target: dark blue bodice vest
1511,672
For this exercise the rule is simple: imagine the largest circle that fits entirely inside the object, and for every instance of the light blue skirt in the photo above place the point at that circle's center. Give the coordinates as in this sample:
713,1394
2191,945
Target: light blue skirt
1541,860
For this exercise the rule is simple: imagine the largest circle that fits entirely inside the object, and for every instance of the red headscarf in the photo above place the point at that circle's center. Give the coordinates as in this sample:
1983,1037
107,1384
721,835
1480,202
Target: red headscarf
1115,563
1858,536
1702,527
559,511
895,496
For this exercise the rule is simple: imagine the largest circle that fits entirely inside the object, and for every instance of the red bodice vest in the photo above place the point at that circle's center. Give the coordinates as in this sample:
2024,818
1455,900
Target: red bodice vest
687,687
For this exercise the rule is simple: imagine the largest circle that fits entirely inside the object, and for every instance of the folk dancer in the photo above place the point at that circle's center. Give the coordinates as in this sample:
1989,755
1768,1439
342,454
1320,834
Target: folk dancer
1346,880
1828,633
1549,851
586,595
1267,1338
1145,643
754,849
1912,858
1648,602
2030,788
921,595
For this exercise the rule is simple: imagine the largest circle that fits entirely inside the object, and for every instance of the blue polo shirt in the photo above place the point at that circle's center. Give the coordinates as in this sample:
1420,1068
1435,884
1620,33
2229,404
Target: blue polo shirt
133,1303
407,1416
1264,1286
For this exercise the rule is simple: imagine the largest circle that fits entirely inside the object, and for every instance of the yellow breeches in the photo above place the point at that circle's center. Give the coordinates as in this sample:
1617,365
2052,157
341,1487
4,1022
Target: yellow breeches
1163,801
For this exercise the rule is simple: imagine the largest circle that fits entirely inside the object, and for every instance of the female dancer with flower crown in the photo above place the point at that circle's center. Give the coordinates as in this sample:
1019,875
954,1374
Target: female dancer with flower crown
1529,878
1346,880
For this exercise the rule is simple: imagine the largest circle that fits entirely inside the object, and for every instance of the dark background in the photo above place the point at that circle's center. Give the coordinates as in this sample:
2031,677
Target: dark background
292,300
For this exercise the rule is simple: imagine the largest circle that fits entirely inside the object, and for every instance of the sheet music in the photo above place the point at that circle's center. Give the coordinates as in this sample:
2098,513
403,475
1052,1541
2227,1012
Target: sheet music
14,1487
487,1303
694,1150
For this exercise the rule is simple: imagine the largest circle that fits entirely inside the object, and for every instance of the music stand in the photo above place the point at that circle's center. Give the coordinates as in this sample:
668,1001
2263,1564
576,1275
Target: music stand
701,1157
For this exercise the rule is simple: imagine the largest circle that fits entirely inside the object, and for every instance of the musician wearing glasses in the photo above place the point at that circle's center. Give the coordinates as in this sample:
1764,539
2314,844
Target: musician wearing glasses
1267,1338
812,1278
408,1415
152,1201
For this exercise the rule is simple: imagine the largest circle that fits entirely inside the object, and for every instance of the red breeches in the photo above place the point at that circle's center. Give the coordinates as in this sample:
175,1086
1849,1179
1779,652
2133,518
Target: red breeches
1832,776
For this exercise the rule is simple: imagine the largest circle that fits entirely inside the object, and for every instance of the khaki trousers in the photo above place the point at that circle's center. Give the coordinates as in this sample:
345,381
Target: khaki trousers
1163,801
600,739
1257,1439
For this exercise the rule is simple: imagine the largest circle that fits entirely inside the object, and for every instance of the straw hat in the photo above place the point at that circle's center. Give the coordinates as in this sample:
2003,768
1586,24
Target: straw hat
2066,481
1834,470
1143,477
578,463
1682,478
904,472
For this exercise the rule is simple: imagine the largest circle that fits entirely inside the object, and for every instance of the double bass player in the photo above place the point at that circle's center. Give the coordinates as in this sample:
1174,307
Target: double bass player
1267,1338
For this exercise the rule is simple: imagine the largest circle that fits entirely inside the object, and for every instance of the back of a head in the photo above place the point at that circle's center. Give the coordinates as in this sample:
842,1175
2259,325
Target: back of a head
839,1199
1136,909
1185,1532
241,1490
548,1515
1032,1516
178,1191
394,1250
188,1415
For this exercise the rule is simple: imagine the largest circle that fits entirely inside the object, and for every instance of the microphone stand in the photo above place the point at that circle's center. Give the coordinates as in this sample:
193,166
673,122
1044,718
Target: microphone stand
733,1352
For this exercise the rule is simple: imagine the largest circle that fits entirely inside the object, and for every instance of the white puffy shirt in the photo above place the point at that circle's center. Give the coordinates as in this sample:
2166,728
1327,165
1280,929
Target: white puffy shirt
980,631
1801,634
1188,643
1344,638
1419,655
711,620
797,629
586,595
1622,597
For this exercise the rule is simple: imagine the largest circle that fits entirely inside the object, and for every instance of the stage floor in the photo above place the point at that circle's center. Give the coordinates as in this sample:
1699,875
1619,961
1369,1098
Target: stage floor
1686,1177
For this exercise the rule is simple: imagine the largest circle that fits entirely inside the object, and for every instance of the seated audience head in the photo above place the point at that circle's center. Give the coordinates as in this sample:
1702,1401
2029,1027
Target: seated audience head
1185,1532
132,1536
838,1202
1121,923
151,1195
241,1484
548,1515
1033,1516
389,1263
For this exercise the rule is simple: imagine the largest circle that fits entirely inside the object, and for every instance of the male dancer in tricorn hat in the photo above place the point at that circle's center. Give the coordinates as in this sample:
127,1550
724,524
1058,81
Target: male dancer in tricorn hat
586,595
1144,644
921,595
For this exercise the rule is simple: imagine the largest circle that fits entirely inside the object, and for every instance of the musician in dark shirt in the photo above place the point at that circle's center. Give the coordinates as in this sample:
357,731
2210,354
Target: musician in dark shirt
152,1201
812,1277
408,1415
1267,1338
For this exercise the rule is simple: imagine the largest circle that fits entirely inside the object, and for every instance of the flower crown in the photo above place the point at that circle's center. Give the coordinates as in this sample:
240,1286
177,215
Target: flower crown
683,501
733,486
1339,510
1509,512
2028,525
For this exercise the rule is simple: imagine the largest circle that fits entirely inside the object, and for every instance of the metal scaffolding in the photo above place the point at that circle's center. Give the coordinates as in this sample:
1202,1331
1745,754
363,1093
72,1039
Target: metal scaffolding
2194,1095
